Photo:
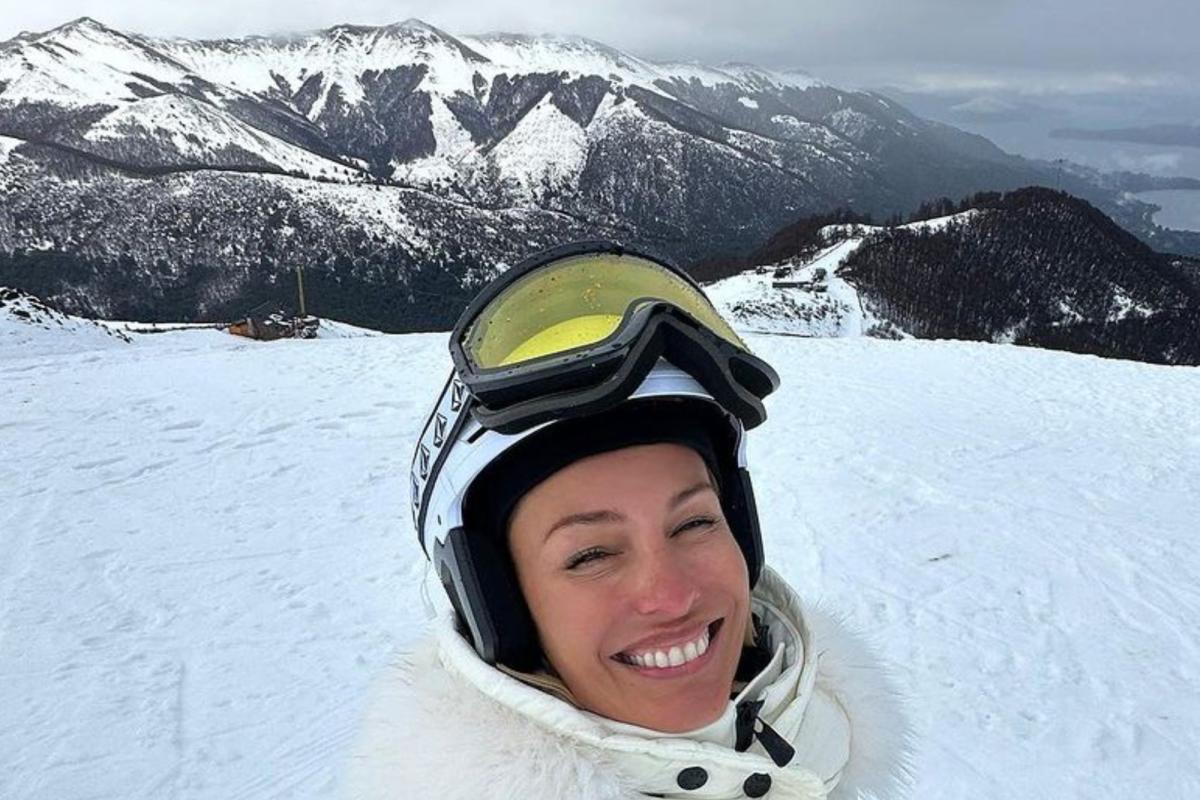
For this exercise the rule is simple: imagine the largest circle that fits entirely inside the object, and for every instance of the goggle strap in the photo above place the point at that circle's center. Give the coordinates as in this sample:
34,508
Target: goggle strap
441,429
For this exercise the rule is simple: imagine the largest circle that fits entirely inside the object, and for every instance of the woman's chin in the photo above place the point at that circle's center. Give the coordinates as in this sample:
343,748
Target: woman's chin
688,717
671,699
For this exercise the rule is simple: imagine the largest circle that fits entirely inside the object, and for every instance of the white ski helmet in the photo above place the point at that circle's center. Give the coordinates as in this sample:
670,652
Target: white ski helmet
577,350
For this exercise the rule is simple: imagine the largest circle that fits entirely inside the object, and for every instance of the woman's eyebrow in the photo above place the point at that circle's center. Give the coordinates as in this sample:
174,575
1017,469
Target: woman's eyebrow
609,516
689,492
585,518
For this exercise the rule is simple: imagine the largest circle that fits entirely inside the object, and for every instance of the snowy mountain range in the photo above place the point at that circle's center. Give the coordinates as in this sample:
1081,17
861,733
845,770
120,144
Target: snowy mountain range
399,165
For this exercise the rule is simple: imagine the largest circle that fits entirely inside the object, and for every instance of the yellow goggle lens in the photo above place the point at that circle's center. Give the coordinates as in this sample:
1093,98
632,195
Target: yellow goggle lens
564,336
577,302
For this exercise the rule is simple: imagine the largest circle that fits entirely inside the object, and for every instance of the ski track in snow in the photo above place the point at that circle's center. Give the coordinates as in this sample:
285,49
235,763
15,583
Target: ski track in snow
206,554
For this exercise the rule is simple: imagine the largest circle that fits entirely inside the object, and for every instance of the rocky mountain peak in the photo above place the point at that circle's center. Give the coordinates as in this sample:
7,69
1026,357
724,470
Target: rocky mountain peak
84,23
87,30
415,24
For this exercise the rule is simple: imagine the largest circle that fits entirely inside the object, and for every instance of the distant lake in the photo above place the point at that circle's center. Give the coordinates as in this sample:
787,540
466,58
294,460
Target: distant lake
1180,208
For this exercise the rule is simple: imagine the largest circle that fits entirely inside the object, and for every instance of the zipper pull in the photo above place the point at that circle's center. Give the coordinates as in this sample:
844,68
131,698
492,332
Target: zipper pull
747,712
750,726
778,748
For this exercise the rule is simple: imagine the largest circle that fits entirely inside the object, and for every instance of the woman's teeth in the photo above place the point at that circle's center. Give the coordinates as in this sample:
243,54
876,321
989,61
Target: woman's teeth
671,657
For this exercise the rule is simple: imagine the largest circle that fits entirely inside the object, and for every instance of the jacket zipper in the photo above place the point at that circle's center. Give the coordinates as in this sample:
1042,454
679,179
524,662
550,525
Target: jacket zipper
751,726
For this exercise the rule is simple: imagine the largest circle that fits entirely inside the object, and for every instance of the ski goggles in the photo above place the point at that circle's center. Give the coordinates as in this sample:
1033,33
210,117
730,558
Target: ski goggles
573,331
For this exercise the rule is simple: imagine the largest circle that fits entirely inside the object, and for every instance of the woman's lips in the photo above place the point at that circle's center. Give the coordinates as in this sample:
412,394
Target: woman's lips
684,657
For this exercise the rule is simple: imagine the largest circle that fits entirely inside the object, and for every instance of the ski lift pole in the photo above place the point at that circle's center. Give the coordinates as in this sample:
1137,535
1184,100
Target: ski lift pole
300,288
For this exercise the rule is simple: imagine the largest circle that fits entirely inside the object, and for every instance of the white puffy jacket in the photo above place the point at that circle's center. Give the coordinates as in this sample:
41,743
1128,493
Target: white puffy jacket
445,725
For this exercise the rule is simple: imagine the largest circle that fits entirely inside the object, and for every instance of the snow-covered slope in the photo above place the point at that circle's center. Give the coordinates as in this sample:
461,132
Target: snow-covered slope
30,329
7,145
186,130
808,297
546,149
206,555
1035,267
578,55
342,54
799,300
81,63
338,56
119,96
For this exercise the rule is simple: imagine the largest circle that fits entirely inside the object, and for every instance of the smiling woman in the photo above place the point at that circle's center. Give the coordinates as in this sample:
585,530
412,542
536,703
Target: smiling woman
584,495
643,603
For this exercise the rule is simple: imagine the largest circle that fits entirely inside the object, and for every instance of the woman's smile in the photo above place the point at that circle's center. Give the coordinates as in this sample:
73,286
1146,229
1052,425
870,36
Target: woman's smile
674,657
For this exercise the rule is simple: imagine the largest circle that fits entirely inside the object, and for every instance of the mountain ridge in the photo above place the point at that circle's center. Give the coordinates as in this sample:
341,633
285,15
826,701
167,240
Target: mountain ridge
548,138
1032,266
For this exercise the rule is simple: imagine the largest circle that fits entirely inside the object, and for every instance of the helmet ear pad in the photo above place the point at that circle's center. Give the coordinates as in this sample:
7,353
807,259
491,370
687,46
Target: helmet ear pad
479,577
741,514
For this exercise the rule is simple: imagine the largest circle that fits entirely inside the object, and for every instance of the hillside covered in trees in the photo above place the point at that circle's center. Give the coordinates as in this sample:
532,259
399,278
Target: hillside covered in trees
1032,266
1035,267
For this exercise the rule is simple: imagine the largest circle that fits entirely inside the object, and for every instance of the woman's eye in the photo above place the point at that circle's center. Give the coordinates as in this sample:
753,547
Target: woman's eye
586,556
698,523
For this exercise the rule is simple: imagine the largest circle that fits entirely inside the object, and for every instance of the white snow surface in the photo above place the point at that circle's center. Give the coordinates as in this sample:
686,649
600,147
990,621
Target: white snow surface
340,54
452,139
581,56
809,298
454,150
1125,306
381,211
343,53
29,328
7,145
746,76
765,298
78,64
545,148
206,555
521,53
196,129
803,303
933,225
940,223
850,122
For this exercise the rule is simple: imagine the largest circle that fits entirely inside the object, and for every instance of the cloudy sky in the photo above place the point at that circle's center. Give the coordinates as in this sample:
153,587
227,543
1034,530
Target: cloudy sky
1032,46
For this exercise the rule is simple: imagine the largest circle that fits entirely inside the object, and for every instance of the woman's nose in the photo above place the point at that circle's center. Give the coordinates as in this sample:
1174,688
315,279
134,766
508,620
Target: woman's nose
664,585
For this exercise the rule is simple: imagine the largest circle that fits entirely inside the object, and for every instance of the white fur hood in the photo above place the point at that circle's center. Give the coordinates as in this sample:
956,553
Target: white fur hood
443,724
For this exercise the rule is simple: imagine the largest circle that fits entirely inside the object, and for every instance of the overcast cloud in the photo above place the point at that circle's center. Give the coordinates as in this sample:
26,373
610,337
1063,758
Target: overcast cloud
1037,46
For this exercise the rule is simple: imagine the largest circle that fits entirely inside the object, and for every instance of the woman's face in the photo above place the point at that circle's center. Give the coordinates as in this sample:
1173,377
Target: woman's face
637,587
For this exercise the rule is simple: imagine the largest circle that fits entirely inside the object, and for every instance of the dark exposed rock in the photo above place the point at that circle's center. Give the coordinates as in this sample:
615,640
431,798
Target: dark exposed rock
512,97
142,90
391,124
308,92
471,114
580,98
